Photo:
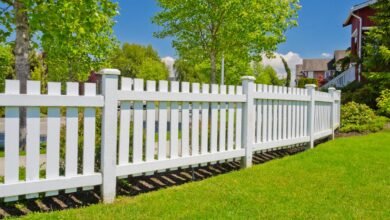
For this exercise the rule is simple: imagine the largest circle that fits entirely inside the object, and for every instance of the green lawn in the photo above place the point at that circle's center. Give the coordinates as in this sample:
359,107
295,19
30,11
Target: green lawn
348,178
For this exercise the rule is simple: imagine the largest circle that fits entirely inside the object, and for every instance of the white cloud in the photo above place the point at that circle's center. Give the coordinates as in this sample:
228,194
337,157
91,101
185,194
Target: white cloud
292,60
326,55
169,61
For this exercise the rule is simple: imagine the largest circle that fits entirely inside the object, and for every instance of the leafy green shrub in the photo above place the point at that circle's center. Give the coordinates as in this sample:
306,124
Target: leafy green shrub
360,93
383,103
360,118
303,81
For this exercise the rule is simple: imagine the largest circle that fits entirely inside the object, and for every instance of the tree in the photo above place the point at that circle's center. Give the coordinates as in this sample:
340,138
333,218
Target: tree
266,75
152,70
7,61
139,61
191,72
302,82
377,47
206,29
288,71
75,36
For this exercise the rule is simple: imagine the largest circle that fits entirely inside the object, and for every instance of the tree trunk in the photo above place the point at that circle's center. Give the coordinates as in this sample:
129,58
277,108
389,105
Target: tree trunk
213,60
22,65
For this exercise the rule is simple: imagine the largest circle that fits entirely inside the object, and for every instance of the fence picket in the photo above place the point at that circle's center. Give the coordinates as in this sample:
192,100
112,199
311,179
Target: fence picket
270,115
125,120
230,129
275,105
285,105
205,121
162,123
33,123
89,135
53,137
238,120
305,113
222,120
185,122
280,114
295,115
138,124
289,117
300,115
265,115
72,89
259,116
174,123
150,123
214,122
195,123
11,139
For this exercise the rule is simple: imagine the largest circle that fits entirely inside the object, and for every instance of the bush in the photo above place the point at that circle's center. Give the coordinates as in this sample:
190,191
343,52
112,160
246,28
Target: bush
360,118
383,103
360,93
303,81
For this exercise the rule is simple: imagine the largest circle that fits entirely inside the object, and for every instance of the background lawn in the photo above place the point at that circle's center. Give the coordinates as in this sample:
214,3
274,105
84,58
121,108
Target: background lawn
346,178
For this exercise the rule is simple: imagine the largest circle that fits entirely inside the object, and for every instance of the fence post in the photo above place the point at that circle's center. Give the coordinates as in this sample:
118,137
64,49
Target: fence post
248,122
338,109
310,116
109,89
331,91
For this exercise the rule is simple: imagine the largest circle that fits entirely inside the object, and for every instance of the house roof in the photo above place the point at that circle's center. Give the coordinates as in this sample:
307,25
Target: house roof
358,7
340,54
316,64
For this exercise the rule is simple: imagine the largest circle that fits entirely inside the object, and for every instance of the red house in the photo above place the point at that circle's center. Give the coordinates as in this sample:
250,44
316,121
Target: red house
359,19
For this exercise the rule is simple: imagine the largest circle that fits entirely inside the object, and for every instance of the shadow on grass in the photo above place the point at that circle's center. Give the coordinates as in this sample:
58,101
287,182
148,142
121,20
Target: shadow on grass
133,186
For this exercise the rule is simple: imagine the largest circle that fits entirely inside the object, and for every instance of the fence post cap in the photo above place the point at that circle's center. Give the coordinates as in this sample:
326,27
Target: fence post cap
331,89
109,72
249,78
308,86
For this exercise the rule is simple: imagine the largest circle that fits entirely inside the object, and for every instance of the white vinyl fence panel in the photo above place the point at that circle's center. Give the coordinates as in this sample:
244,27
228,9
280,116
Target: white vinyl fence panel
72,174
149,127
175,142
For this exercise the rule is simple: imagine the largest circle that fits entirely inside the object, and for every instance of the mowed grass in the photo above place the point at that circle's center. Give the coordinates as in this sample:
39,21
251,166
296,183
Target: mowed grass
348,178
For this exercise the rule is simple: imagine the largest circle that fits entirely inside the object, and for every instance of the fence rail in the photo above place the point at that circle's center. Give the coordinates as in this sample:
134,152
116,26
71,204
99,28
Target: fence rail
163,126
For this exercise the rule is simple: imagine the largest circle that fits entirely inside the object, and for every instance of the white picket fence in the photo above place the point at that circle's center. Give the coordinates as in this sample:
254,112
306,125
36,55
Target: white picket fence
165,127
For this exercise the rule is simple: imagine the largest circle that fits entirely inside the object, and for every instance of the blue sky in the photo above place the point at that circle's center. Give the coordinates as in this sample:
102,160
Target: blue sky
320,27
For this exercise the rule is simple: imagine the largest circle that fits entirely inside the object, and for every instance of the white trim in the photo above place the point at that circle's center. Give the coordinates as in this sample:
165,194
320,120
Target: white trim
363,5
358,7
